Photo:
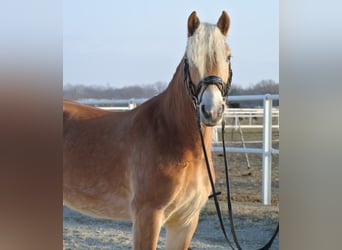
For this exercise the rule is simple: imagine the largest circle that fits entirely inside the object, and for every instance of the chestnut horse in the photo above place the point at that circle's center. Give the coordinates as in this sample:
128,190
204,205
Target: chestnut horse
147,164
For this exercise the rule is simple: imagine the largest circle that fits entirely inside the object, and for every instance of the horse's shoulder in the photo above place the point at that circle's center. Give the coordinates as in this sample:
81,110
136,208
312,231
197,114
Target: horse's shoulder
74,110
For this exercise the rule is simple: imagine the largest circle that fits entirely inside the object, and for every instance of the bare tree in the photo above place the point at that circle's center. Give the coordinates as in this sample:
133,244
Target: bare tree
160,86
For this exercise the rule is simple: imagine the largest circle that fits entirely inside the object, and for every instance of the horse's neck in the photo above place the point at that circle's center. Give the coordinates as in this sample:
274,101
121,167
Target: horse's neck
180,110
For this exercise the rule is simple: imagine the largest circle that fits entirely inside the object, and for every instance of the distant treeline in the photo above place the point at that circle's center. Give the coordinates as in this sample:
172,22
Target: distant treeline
80,91
261,88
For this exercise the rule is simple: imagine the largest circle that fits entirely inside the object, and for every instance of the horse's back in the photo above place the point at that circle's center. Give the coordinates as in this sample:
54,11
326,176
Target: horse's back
74,110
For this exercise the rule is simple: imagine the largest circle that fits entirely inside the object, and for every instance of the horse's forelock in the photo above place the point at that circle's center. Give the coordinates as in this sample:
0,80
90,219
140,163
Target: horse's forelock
206,48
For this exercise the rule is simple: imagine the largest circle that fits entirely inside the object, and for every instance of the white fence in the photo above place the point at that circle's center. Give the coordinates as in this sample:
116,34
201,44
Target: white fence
266,149
267,113
251,114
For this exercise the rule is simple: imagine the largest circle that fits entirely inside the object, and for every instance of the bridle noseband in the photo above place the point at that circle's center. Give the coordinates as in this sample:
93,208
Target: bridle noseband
196,91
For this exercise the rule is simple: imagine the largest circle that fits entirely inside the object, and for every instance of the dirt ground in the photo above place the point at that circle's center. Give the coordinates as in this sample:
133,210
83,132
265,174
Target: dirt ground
254,222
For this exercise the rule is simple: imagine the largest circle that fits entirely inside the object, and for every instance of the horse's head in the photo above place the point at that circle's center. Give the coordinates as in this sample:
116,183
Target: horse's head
207,66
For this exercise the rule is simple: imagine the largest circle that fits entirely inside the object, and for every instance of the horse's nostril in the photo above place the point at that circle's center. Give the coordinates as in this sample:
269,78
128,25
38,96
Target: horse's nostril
206,113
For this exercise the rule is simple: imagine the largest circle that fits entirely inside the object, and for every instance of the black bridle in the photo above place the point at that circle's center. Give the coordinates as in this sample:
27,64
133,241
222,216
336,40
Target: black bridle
196,92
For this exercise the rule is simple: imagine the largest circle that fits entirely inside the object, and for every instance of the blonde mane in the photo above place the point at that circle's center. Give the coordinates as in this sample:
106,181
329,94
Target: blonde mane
206,48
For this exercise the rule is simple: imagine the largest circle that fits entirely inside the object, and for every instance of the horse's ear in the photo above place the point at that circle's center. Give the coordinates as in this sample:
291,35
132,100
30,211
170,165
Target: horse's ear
193,23
223,23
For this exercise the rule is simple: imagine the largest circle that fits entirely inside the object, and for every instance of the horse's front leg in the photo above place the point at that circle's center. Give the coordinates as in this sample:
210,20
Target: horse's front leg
147,222
179,234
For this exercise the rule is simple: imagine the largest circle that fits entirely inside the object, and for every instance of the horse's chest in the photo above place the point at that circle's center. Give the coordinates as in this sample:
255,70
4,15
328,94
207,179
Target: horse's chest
191,199
194,200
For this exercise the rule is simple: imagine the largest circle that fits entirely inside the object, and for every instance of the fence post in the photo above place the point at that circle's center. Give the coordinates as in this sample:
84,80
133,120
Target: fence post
267,151
132,104
215,135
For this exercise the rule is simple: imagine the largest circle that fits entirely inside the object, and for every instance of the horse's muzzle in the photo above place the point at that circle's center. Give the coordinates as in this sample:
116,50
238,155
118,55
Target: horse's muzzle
211,115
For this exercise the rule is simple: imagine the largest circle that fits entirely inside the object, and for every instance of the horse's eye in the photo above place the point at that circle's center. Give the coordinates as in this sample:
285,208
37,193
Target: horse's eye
228,58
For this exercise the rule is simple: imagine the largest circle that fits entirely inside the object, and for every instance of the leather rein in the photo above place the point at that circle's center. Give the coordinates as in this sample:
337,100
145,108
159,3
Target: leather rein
196,92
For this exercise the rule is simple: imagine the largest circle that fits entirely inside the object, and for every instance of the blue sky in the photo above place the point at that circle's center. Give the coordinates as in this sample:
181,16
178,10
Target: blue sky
121,43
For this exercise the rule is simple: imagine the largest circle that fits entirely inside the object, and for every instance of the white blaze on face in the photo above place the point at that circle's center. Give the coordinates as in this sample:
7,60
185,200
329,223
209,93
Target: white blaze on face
207,52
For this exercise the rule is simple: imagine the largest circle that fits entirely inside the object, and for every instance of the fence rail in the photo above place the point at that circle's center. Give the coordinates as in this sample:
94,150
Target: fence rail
267,113
251,114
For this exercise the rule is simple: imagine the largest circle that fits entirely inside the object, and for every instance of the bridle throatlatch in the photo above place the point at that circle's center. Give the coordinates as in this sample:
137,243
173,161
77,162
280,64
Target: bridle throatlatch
196,92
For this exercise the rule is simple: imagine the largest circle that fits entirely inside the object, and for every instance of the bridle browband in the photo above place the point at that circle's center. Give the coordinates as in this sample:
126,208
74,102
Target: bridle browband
196,91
